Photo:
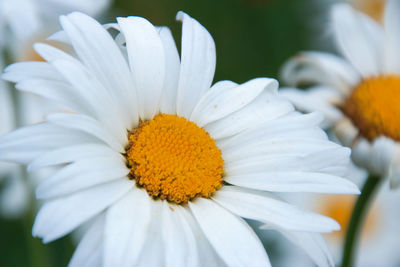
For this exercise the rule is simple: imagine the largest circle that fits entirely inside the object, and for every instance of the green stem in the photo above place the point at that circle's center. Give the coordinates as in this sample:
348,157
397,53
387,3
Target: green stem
357,218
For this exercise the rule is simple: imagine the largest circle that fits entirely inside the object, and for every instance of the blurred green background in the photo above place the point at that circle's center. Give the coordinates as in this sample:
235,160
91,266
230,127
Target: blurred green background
253,38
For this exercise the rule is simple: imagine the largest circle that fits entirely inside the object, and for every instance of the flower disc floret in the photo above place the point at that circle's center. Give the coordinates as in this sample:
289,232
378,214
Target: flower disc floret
174,159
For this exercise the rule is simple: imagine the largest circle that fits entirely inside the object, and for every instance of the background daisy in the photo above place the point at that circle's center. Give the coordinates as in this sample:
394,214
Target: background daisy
13,196
358,94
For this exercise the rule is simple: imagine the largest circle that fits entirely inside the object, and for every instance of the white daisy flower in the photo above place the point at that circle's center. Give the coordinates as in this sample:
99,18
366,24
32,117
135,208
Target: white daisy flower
13,195
358,94
164,163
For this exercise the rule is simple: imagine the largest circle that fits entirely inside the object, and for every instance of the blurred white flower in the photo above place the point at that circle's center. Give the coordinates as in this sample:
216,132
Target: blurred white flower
22,19
165,163
359,94
13,193
379,240
23,22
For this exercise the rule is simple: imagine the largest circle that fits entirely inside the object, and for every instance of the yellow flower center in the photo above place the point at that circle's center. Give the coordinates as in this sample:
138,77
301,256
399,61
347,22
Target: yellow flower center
374,107
174,159
339,208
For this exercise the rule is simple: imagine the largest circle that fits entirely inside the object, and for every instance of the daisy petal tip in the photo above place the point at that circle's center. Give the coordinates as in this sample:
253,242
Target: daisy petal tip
121,20
77,14
335,226
132,19
271,84
180,15
319,116
57,36
39,47
348,187
35,228
355,191
347,151
80,17
63,19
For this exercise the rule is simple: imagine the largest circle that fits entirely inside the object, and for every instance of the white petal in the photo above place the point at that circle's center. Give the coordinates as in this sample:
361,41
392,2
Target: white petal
100,54
20,71
91,126
104,106
276,146
320,68
59,217
198,61
82,174
313,244
392,36
71,154
267,106
361,153
223,85
346,132
58,92
153,252
126,229
50,53
207,254
227,233
321,161
59,36
359,39
281,127
27,143
295,181
264,207
89,251
147,62
382,154
321,99
376,157
179,241
218,103
172,67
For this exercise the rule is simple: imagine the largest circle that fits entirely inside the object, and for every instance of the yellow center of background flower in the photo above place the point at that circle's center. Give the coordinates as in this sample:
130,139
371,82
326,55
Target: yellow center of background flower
374,107
339,208
373,8
174,159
